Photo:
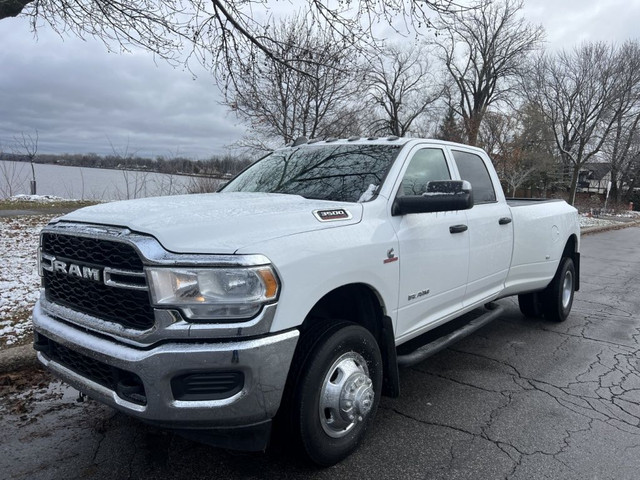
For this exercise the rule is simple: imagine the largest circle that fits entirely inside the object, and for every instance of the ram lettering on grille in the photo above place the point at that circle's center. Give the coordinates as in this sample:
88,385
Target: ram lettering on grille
80,271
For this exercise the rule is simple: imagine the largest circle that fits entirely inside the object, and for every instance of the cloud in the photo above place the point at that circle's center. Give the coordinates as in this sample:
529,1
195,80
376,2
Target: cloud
570,22
81,98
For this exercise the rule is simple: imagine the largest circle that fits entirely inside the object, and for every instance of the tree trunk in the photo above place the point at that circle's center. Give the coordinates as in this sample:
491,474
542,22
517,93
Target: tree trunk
33,179
12,8
574,184
614,193
473,128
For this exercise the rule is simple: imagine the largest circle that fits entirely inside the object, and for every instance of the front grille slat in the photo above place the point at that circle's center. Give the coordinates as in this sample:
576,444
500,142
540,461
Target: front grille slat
129,307
92,250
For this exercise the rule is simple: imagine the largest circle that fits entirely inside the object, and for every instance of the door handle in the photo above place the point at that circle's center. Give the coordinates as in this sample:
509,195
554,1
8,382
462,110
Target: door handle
458,228
504,220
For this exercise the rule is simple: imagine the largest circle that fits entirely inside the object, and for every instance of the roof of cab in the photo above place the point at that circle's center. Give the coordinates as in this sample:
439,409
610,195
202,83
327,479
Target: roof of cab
302,141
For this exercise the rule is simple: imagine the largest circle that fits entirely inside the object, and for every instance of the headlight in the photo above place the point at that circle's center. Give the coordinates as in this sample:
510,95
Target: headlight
213,293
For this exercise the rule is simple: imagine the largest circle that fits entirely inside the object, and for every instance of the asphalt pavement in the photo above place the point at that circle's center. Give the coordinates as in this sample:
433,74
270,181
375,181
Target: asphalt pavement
519,399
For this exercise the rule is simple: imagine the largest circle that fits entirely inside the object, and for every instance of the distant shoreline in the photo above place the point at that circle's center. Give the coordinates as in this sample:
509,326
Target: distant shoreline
99,183
216,167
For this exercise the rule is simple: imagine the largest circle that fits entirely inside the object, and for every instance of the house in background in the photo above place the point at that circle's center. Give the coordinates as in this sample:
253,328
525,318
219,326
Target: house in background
594,178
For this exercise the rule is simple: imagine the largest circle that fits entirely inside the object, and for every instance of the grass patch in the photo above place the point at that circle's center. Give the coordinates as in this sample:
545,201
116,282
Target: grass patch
22,335
45,206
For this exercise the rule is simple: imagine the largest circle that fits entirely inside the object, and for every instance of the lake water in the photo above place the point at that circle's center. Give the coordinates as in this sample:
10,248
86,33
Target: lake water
90,183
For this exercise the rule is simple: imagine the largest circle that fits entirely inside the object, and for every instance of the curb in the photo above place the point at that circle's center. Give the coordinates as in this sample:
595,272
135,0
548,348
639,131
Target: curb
607,228
17,358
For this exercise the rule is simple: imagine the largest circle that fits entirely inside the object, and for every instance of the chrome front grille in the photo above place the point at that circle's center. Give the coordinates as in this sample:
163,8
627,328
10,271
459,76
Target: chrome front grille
96,272
95,276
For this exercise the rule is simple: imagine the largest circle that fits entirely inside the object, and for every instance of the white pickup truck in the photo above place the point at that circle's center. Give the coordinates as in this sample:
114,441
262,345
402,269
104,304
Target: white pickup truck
292,296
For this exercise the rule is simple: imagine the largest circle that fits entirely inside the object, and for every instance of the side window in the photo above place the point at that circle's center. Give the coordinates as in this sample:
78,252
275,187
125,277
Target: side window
426,165
473,169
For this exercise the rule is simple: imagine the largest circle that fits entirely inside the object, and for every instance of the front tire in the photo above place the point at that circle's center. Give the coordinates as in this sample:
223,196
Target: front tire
337,393
558,296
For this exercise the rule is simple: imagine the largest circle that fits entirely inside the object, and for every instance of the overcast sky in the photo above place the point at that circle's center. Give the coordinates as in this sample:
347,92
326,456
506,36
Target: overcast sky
82,99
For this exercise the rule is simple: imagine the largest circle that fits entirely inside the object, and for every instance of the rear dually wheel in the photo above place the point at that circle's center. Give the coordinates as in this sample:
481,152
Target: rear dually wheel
557,298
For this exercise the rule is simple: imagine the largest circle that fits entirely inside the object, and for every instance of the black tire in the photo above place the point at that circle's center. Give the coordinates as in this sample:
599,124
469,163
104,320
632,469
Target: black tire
342,355
557,298
530,305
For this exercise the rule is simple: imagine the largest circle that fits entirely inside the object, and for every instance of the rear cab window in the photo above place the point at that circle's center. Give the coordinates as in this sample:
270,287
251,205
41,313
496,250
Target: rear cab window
473,169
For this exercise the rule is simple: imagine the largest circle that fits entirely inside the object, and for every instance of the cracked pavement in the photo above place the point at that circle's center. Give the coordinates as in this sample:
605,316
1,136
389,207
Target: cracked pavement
519,399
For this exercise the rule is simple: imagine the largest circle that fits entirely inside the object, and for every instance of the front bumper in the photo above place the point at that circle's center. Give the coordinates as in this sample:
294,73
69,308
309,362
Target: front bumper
263,361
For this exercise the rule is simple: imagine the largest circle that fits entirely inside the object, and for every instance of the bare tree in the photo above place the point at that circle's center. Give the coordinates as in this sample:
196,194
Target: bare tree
622,147
135,182
483,51
12,8
203,184
517,170
536,140
449,127
215,32
310,99
401,87
12,176
630,175
521,147
497,136
27,145
575,91
500,136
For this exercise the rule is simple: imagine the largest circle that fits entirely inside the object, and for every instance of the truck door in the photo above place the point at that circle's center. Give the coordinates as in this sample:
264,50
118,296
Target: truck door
490,228
434,258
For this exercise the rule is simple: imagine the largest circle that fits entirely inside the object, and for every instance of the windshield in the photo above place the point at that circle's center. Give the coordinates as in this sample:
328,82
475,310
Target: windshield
347,173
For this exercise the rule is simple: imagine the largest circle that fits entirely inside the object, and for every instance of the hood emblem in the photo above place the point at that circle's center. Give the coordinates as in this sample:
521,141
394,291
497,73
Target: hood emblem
332,215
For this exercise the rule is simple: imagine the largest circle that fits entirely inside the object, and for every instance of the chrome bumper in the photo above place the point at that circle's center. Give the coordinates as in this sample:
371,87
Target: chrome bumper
264,362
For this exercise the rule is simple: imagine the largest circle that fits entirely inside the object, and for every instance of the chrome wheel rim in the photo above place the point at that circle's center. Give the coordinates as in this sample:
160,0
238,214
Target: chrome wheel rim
567,290
347,395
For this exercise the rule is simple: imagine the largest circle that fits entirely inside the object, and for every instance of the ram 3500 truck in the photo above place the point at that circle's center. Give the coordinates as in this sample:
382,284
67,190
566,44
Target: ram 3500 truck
293,294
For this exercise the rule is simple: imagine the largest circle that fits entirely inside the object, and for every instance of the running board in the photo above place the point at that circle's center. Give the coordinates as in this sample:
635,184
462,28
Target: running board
493,311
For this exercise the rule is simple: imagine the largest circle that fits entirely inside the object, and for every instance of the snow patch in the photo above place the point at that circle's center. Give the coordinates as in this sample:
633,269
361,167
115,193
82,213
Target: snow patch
19,279
368,193
588,221
39,199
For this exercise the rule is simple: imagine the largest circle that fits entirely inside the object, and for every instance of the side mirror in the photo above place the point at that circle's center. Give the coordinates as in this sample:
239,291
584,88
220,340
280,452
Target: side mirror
441,196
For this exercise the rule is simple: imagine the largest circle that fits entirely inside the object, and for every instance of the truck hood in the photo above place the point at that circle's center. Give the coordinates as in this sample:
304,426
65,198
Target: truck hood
218,223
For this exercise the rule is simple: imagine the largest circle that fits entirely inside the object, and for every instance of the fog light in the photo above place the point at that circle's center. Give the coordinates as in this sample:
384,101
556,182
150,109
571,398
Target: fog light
207,385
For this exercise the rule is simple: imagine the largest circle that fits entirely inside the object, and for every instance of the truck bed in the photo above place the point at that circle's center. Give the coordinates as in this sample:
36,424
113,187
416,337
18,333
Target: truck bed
541,228
521,202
